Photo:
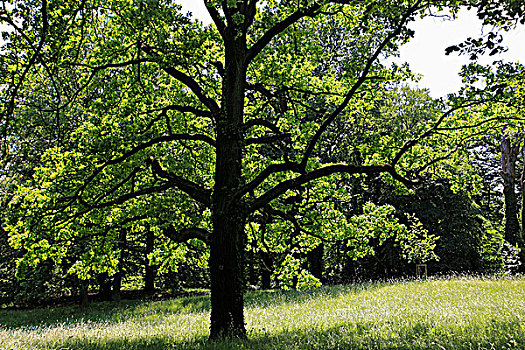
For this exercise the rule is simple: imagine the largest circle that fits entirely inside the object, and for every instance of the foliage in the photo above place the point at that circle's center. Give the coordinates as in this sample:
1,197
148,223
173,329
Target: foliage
452,217
491,247
418,245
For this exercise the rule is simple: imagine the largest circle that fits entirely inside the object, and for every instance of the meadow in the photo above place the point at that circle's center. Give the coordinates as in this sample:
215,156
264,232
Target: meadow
459,313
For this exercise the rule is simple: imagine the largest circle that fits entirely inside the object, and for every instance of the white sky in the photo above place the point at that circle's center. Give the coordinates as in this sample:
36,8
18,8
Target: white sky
426,51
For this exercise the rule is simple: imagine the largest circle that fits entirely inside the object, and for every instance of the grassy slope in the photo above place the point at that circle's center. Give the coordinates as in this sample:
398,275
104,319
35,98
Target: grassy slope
453,314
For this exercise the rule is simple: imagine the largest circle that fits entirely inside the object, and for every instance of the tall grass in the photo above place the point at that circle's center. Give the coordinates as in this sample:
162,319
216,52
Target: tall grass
439,314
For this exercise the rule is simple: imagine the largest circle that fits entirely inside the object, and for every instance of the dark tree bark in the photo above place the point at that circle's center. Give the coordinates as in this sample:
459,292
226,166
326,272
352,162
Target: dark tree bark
265,257
117,284
150,271
512,226
228,212
348,271
297,254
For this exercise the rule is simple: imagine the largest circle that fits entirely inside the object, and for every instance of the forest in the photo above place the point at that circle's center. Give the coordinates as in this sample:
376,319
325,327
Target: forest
147,155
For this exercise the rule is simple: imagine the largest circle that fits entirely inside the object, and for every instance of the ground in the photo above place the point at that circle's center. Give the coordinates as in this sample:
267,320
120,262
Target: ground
459,313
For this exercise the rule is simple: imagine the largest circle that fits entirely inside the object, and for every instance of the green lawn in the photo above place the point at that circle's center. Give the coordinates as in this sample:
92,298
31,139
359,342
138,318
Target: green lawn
440,314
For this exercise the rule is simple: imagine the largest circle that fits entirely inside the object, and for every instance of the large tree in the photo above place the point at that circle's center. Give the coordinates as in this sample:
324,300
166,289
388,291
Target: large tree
195,128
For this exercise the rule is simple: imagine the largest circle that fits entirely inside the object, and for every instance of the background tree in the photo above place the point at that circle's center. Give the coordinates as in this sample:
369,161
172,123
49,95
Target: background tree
509,156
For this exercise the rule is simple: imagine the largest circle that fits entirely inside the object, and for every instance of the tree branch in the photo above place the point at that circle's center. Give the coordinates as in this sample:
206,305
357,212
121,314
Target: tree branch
285,216
186,80
185,109
195,191
118,185
135,150
284,186
279,28
186,234
408,145
261,122
357,85
271,169
11,105
122,199
113,65
216,17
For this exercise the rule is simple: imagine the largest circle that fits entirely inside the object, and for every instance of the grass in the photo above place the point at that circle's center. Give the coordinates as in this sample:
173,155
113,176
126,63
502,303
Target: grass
438,314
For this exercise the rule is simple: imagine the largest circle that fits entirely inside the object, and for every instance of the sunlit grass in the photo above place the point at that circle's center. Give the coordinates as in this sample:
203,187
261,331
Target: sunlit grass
439,314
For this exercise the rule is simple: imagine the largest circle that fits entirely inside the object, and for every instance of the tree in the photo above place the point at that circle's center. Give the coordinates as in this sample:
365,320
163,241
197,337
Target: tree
509,157
510,76
172,116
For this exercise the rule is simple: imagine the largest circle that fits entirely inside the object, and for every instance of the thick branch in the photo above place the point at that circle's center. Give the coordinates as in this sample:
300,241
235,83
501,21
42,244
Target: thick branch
284,186
186,80
135,150
186,234
271,169
124,198
216,17
261,122
195,191
279,28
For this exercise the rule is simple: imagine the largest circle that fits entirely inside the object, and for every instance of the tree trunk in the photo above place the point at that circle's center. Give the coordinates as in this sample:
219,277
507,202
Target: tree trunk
84,298
522,182
117,284
227,280
348,271
228,213
266,270
509,157
315,261
512,226
117,278
104,290
251,268
149,276
296,254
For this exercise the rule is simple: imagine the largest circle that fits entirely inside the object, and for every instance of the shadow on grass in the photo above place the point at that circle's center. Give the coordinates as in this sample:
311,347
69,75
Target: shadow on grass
107,311
126,309
495,335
